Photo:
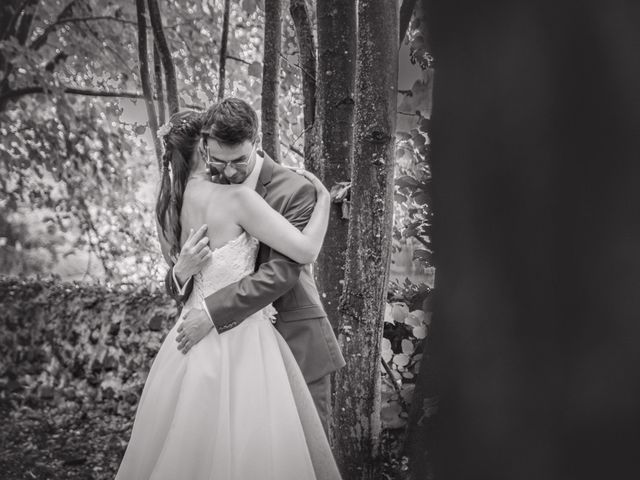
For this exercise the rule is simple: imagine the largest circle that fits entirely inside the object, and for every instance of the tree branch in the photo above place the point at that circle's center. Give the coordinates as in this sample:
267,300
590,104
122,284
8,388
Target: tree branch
306,43
308,74
157,70
293,149
223,50
143,57
22,33
165,54
9,18
99,45
42,38
19,92
231,57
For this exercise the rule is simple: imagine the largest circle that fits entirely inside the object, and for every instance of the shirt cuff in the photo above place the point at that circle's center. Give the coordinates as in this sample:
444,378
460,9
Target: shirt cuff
206,310
180,289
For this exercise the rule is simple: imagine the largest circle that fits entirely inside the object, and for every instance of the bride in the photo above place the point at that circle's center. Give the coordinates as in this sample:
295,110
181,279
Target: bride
236,406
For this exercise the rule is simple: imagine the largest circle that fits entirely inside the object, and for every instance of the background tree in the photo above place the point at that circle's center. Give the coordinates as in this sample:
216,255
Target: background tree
222,70
67,42
307,60
357,401
271,78
145,78
333,136
164,51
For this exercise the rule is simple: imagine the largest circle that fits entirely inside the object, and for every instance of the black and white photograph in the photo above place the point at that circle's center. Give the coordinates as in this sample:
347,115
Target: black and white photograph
319,240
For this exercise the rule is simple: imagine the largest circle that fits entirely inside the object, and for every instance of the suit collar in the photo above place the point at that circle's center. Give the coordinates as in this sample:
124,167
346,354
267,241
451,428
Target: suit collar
266,173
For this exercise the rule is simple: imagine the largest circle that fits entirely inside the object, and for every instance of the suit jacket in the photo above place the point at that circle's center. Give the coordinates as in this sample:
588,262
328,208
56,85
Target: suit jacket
301,319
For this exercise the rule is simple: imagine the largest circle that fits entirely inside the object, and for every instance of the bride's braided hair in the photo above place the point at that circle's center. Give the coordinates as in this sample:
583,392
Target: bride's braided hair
180,138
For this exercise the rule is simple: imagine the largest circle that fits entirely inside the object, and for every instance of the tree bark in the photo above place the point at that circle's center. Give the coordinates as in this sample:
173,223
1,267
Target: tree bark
9,13
26,19
271,78
223,50
406,11
145,80
19,27
165,55
307,47
357,405
157,71
333,135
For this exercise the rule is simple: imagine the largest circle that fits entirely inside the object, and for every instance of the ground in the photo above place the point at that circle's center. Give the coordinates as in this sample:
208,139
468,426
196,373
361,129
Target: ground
61,442
68,442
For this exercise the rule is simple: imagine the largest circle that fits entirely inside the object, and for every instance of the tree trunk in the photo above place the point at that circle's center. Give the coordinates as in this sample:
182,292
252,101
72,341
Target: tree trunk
16,22
223,50
165,55
333,135
307,47
271,78
157,70
406,11
145,80
357,405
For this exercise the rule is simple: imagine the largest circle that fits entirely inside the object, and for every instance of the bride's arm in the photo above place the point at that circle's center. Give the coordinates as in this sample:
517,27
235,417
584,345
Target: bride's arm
261,221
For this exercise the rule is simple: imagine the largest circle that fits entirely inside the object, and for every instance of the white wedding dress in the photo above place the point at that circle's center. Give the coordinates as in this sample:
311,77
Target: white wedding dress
235,407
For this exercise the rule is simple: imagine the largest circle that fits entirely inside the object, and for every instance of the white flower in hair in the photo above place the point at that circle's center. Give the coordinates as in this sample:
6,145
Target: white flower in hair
164,130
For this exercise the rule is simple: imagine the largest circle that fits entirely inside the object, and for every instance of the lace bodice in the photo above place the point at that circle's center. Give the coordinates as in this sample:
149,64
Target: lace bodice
227,264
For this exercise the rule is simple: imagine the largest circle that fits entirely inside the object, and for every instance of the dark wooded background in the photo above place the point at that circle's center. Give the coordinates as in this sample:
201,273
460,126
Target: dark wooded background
537,203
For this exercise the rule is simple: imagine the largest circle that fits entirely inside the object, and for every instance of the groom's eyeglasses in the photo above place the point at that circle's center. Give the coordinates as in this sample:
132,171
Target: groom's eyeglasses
238,163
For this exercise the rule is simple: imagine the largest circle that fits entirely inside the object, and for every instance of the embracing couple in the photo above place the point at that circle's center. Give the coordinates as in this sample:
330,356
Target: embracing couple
240,389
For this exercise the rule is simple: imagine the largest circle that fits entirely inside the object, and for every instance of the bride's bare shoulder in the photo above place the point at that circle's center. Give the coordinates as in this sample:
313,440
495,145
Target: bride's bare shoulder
209,193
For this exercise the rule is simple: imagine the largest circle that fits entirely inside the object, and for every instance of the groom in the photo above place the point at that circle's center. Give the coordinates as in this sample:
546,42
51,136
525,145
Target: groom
230,135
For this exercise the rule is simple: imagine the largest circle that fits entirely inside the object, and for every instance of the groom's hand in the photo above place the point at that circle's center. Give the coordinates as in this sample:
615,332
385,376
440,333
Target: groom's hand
195,326
193,254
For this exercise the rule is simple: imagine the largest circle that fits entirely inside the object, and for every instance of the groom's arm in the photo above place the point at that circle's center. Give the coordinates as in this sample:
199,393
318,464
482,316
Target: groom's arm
230,305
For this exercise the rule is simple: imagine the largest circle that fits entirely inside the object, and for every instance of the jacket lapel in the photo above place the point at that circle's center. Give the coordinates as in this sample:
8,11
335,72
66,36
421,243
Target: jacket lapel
266,173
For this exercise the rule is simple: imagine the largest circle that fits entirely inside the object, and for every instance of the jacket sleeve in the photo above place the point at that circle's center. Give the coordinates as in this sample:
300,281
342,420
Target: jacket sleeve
230,305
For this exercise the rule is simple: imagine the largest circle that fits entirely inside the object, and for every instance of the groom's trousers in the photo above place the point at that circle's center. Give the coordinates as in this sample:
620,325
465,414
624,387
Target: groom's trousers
321,393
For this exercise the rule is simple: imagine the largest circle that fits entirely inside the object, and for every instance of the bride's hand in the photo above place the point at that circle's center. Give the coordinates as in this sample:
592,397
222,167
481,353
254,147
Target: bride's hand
321,190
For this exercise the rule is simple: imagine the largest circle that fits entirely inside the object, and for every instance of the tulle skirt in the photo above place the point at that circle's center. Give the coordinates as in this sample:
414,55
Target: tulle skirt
235,407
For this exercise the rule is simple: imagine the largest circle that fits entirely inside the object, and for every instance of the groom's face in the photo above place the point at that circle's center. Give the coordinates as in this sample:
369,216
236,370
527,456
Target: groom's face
233,162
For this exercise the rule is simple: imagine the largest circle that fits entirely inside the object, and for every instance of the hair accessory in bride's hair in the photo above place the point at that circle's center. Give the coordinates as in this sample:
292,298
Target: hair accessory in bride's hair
164,130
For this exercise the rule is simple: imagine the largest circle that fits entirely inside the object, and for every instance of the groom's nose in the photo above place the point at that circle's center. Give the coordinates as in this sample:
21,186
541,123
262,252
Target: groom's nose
229,170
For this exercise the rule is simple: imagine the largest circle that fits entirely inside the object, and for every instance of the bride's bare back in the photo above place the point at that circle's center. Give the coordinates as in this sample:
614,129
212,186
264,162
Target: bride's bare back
228,210
211,204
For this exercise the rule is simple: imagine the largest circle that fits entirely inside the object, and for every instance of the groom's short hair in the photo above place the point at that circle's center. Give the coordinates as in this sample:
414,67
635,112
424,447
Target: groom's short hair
230,122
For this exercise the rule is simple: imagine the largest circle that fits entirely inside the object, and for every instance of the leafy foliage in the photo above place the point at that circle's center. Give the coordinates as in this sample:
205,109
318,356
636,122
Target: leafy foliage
83,161
74,360
406,326
407,315
64,342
